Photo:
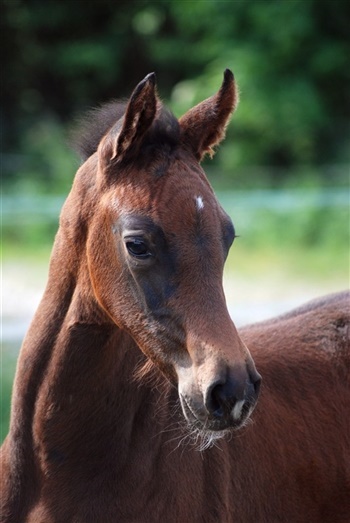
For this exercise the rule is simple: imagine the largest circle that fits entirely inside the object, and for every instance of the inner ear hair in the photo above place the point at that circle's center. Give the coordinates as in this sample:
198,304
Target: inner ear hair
131,128
203,127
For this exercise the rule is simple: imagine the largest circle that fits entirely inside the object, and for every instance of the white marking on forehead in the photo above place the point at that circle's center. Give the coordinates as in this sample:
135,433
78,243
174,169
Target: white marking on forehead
199,203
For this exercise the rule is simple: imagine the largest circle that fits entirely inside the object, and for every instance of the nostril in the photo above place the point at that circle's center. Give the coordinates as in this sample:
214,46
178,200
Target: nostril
256,381
226,398
215,400
257,385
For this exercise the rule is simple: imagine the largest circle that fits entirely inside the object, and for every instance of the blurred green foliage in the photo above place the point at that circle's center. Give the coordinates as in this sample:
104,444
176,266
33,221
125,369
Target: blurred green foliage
290,59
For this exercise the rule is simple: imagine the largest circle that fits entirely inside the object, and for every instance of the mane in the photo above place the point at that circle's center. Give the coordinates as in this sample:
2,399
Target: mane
96,122
93,125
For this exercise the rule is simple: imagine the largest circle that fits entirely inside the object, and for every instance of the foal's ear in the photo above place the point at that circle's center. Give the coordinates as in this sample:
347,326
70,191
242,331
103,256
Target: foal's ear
204,125
130,129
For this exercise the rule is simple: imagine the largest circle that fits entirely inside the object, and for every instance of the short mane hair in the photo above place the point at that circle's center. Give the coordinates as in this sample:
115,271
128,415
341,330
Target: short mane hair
98,121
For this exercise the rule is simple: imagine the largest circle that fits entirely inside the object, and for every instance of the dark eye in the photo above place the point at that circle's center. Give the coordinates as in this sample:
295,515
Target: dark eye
138,248
229,234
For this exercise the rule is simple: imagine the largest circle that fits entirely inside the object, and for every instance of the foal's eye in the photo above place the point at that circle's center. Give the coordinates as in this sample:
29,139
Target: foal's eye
138,248
229,234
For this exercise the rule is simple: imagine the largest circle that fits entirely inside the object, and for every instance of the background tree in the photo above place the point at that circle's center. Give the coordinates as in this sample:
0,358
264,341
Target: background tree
290,60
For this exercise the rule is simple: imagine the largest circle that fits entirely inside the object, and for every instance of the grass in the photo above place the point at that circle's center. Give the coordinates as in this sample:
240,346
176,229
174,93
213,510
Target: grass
314,265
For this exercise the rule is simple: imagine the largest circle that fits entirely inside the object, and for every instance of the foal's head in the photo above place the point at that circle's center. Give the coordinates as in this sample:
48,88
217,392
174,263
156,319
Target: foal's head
156,246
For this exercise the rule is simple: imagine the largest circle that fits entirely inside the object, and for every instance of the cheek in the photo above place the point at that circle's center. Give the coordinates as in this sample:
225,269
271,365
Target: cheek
106,270
126,299
155,290
129,294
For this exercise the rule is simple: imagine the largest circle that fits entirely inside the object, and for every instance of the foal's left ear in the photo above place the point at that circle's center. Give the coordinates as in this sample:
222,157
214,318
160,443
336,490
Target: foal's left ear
130,129
204,125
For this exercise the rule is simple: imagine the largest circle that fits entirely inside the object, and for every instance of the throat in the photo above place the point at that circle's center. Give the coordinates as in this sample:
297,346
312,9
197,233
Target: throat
88,388
75,391
91,413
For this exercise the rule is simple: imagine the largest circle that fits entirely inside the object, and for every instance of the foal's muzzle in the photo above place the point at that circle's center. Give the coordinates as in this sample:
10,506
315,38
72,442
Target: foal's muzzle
227,406
224,404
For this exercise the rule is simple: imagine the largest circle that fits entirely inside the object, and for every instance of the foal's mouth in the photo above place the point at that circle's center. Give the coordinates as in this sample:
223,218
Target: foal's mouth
220,421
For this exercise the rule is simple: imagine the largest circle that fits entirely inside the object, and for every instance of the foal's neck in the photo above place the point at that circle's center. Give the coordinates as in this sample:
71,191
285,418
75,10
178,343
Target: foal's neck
77,410
76,370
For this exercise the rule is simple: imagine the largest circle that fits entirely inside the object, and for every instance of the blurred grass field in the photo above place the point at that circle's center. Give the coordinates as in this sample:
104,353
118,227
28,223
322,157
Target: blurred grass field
283,256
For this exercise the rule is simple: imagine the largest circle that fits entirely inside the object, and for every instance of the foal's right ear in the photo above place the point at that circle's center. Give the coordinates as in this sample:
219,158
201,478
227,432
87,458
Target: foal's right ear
130,129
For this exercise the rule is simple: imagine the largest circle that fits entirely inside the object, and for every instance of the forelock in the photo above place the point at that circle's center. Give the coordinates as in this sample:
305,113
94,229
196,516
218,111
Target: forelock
91,127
